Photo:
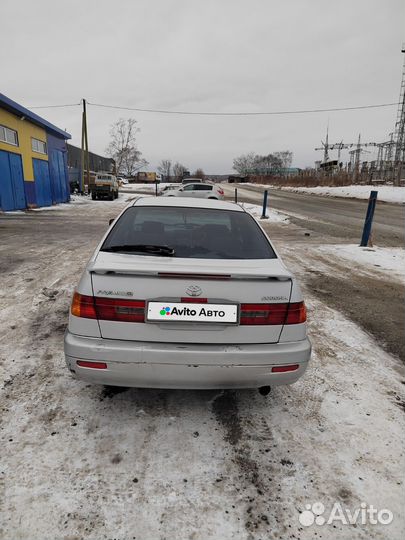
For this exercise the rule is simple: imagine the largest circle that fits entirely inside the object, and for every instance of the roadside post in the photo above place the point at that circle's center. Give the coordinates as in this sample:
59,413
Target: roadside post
236,195
369,219
263,216
156,188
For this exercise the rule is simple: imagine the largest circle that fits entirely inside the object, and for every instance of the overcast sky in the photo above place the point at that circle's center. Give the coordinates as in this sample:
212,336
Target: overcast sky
208,55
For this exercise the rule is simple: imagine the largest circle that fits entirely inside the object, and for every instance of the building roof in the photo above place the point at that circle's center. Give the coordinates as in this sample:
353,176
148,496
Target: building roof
96,162
19,110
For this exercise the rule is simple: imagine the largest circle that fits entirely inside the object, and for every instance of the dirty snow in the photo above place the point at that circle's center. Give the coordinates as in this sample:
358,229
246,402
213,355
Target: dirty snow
139,188
385,193
77,200
389,260
391,194
272,216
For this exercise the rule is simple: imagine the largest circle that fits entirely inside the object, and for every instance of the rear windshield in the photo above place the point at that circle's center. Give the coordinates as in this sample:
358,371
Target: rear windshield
196,233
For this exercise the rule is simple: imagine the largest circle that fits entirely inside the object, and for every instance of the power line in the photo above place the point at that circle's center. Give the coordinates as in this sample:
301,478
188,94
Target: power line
55,106
196,113
303,111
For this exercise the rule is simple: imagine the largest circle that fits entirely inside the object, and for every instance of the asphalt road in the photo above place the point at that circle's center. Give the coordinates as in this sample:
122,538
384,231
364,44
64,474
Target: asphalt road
338,218
373,301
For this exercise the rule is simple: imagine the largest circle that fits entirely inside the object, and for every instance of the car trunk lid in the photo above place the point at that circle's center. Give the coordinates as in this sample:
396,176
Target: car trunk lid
164,282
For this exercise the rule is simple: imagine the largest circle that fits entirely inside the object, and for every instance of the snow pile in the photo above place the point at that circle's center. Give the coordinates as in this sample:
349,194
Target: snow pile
139,188
391,260
78,200
62,206
391,194
274,216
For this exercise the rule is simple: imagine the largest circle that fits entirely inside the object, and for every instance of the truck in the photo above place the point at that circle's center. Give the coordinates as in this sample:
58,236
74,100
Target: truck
147,177
103,186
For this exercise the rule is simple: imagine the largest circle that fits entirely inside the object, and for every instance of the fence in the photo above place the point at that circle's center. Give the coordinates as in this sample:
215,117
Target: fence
312,179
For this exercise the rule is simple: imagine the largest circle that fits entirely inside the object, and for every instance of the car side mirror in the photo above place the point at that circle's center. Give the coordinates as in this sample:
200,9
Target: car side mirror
111,221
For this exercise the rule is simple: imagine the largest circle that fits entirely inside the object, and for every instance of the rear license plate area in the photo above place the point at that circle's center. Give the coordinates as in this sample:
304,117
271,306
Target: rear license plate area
192,312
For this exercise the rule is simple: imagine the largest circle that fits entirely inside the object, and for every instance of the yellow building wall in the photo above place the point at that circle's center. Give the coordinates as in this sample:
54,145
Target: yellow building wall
25,131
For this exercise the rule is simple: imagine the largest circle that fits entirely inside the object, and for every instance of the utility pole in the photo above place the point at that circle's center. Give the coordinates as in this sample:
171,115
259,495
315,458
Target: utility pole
399,154
340,148
354,154
326,146
357,160
384,158
85,161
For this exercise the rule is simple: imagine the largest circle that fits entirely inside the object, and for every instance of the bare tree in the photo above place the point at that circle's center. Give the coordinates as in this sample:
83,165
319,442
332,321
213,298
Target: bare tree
286,157
243,164
133,162
199,173
269,164
165,168
179,170
123,148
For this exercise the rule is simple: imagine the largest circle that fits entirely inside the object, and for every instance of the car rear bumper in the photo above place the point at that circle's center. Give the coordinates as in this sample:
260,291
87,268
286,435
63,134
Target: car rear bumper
193,366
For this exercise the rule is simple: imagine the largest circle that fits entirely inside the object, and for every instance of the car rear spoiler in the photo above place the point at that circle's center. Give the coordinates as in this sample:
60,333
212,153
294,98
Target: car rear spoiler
240,275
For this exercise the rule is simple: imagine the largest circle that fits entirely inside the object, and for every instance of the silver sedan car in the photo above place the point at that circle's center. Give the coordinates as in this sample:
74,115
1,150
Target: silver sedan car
187,293
203,190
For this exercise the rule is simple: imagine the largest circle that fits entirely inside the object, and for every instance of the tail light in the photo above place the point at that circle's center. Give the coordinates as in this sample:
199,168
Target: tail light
259,314
83,306
272,314
221,191
108,309
297,313
116,309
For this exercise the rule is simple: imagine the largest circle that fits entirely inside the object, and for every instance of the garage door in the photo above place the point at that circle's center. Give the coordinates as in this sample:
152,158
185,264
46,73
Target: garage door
58,176
12,194
42,182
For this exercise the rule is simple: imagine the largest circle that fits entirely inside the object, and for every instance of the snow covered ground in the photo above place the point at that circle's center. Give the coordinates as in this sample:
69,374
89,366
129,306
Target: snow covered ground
385,193
80,461
76,200
139,188
273,216
388,260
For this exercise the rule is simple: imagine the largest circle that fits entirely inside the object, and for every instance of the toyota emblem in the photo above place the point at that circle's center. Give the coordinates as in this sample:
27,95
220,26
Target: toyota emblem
194,290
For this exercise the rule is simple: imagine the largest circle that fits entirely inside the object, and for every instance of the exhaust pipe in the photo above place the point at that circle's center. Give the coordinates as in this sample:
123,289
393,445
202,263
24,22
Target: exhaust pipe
264,390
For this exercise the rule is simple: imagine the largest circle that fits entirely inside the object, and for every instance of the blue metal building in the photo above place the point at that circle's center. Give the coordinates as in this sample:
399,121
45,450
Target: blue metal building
33,159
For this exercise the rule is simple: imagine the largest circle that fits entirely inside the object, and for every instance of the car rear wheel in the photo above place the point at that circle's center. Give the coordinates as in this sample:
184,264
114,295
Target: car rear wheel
93,196
216,198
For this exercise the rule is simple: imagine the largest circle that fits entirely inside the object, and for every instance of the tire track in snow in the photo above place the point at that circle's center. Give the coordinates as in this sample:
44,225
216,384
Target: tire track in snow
254,491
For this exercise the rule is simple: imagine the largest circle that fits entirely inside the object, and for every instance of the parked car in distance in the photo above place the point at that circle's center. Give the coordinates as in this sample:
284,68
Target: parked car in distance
238,179
191,180
187,294
164,188
104,186
199,190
